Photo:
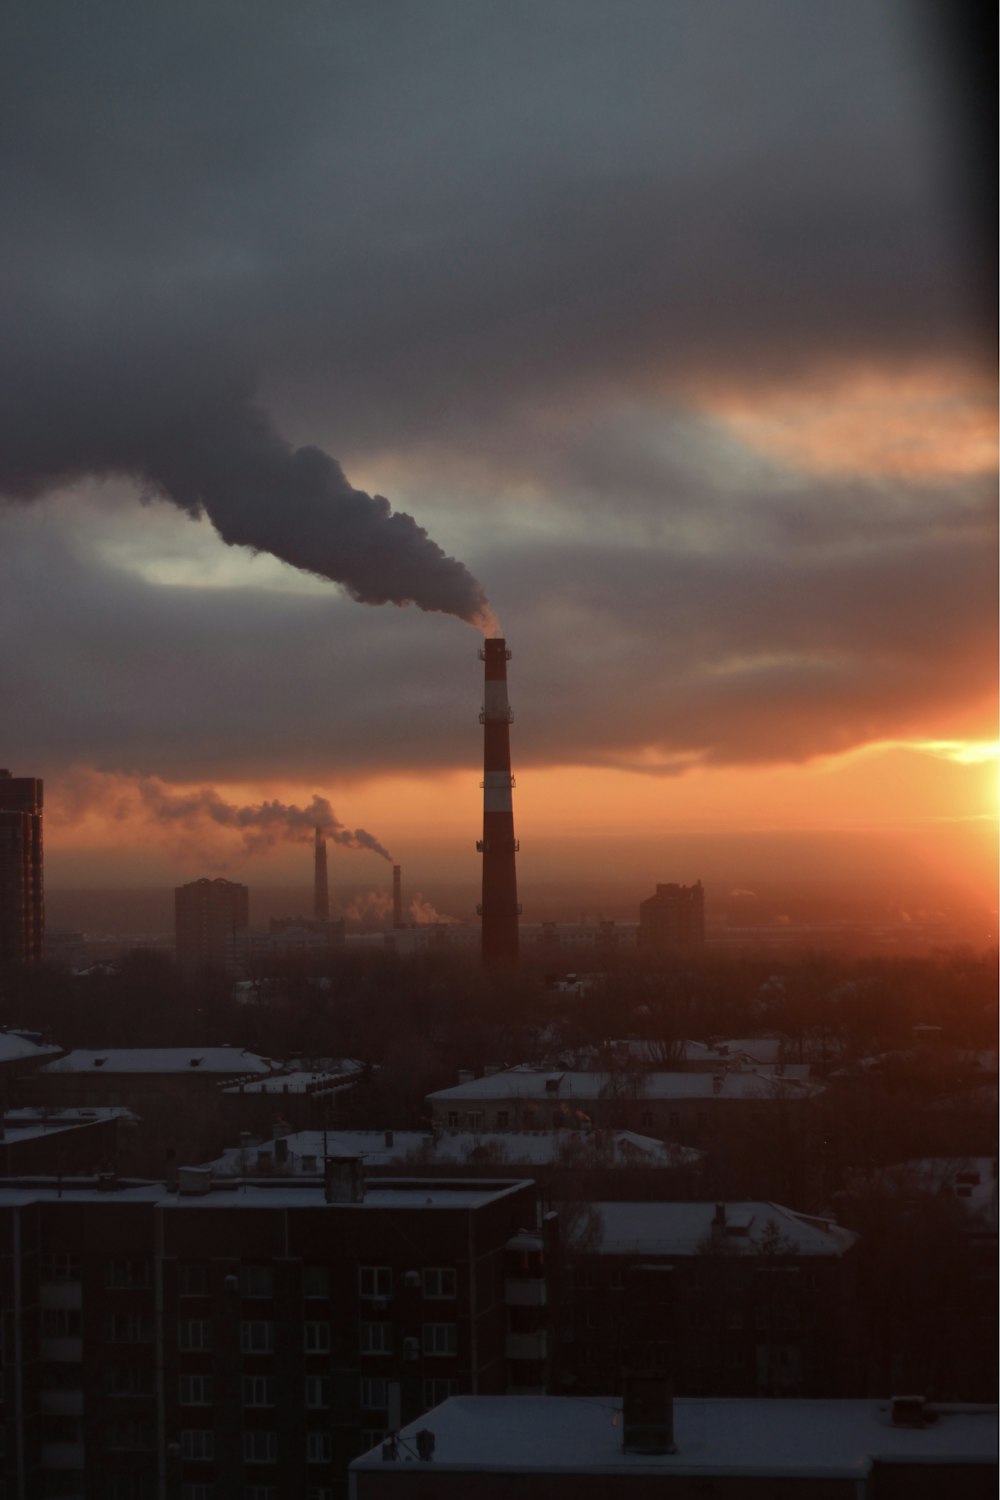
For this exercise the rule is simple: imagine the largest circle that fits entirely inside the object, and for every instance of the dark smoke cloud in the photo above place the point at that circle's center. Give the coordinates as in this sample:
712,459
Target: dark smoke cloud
261,826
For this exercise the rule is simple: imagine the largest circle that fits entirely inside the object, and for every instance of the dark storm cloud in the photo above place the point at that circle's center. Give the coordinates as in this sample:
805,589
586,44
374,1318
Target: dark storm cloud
466,229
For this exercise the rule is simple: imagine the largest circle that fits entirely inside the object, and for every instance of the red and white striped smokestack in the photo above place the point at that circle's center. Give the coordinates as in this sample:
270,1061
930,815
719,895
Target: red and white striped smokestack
397,897
498,845
321,890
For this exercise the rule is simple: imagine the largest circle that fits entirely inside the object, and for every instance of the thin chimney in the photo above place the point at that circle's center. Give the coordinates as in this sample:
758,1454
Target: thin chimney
397,897
321,889
498,846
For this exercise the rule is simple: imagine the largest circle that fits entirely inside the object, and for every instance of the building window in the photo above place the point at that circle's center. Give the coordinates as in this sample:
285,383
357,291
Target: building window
130,1271
318,1392
474,1118
436,1391
197,1445
134,1434
260,1447
503,1119
315,1281
256,1281
258,1390
258,1492
375,1282
674,1120
192,1278
439,1283
128,1380
440,1338
197,1492
376,1338
319,1448
375,1395
194,1334
196,1390
130,1328
317,1338
257,1337
453,1118
59,1268
61,1323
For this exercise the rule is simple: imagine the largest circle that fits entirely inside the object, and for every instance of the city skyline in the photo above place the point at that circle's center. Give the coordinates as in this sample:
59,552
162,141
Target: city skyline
702,400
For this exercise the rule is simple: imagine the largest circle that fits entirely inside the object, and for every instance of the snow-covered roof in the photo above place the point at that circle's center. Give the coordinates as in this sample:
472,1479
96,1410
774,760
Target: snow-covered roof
533,1434
684,1228
299,1082
160,1060
554,1087
403,1193
27,1124
17,1048
516,1148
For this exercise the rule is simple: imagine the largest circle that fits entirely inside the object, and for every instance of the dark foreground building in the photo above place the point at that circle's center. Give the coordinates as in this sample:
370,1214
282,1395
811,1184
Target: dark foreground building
22,891
246,1341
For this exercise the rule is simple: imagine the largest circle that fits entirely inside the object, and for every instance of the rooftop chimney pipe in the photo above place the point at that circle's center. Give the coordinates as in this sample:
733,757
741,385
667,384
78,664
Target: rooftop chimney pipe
321,889
498,846
397,897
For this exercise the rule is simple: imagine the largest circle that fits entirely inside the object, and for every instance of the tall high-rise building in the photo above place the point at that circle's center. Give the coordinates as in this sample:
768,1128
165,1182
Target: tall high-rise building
673,918
22,892
206,913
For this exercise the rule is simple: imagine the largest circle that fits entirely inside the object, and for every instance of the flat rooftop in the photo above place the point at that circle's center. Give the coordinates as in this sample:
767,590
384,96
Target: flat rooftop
567,1434
407,1193
556,1087
222,1060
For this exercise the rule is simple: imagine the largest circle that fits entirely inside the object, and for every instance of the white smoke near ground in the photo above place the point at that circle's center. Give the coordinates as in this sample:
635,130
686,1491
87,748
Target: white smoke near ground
369,909
424,914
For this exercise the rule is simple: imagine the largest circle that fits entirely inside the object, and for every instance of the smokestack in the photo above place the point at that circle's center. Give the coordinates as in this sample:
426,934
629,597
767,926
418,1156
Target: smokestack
321,889
397,897
498,846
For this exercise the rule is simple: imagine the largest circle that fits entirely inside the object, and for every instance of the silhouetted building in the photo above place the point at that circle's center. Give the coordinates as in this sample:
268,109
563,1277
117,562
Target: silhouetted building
206,912
673,918
247,1340
22,892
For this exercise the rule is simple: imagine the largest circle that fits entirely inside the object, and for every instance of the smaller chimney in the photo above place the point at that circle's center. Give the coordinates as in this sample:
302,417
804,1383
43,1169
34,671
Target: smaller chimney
321,889
648,1414
344,1179
719,1220
397,897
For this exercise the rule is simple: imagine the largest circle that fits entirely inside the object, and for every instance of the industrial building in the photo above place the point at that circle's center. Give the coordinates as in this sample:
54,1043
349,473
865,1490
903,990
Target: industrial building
22,887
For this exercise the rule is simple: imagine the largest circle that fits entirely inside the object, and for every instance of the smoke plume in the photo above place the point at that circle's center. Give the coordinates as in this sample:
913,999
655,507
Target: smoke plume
261,826
224,459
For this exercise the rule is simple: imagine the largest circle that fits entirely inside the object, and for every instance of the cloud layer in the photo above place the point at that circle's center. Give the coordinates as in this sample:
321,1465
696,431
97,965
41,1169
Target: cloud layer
518,265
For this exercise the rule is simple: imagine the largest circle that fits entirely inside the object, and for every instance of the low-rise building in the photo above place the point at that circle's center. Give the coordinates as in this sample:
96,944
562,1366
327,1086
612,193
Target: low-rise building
738,1299
690,1108
603,1449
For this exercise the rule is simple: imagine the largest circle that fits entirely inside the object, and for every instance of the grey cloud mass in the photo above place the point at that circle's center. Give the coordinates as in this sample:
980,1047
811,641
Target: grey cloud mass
492,247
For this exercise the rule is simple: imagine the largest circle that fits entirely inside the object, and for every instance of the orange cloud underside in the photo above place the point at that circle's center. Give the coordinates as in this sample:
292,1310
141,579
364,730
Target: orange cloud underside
934,422
940,812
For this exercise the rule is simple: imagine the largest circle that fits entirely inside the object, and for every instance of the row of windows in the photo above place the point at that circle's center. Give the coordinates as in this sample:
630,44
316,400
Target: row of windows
437,1338
251,1492
259,1446
257,1390
195,1335
374,1282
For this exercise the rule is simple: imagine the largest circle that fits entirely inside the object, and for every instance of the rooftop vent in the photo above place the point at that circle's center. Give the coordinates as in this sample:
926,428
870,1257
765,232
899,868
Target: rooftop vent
194,1181
195,1062
909,1411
